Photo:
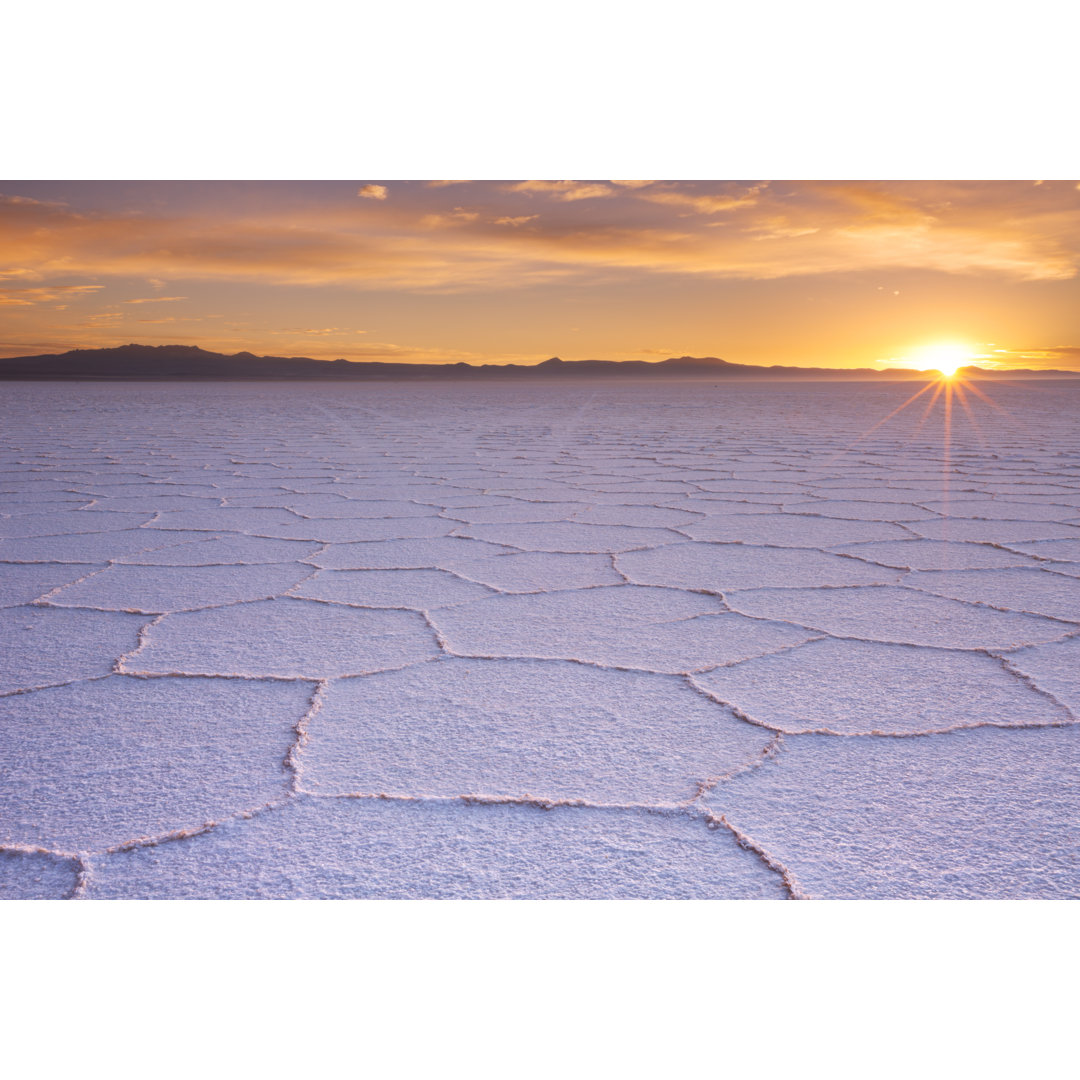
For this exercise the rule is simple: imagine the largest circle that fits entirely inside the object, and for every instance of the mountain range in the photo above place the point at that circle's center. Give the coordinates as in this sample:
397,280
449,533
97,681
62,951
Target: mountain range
192,362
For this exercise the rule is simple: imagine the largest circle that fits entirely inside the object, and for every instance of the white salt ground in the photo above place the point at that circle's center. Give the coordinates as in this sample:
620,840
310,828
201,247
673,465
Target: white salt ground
396,640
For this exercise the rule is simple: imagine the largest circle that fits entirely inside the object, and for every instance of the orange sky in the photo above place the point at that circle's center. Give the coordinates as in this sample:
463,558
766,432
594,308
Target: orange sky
837,274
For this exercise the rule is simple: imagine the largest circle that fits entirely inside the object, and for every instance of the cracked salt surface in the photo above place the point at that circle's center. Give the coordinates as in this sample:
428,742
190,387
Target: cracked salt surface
44,646
888,613
523,728
157,589
417,554
985,531
537,571
354,848
735,566
625,626
792,530
414,589
935,555
1055,668
96,764
20,583
285,637
862,687
232,549
36,875
980,813
66,523
571,536
415,641
1016,589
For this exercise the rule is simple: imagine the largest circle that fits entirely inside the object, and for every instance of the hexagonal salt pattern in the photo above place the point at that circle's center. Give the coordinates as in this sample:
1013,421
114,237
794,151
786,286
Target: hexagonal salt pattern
985,812
364,849
523,728
95,764
869,688
419,640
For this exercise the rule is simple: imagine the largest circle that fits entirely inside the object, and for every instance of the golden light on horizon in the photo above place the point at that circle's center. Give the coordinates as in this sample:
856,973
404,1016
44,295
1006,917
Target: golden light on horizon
946,357
821,274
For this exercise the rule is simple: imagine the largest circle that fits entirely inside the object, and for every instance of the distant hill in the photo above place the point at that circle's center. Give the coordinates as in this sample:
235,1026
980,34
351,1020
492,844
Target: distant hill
191,362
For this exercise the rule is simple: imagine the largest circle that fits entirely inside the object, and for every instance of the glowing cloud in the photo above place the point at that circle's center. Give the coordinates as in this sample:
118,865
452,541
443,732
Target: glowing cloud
828,273
29,297
566,190
704,204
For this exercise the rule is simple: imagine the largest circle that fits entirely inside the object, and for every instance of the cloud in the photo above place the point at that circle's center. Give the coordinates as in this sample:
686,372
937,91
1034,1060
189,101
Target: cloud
23,200
884,203
458,216
783,230
632,183
153,299
565,190
317,330
43,295
705,203
372,191
106,318
1065,357
19,274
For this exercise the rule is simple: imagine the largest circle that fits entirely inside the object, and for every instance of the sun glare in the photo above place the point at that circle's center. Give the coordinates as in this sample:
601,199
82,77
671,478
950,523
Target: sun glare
946,358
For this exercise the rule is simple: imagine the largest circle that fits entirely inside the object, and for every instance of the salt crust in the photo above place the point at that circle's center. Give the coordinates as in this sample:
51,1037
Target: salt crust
659,593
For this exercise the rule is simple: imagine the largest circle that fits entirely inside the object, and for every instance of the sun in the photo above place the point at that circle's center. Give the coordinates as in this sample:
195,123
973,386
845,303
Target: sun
947,358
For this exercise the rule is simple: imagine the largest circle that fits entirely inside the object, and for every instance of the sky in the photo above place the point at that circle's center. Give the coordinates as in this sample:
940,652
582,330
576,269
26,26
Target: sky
809,273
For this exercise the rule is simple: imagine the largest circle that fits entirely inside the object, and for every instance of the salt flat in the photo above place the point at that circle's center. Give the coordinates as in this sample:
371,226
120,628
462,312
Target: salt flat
550,640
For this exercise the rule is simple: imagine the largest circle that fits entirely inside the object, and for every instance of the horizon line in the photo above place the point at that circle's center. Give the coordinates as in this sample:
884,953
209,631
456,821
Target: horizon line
899,368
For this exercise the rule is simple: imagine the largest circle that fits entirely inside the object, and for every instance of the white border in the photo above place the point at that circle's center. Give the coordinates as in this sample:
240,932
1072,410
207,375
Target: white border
231,89
323,91
534,989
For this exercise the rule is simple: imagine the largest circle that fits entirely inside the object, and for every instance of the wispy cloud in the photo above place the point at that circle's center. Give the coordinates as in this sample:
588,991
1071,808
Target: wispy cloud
372,191
153,299
705,203
105,318
458,216
19,274
320,331
1066,357
565,190
740,231
29,296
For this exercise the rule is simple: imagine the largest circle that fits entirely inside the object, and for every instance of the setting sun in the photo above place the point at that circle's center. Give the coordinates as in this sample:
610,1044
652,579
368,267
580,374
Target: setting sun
946,358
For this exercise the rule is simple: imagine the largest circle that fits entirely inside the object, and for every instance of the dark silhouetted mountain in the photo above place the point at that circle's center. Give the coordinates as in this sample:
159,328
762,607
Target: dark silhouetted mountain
192,362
